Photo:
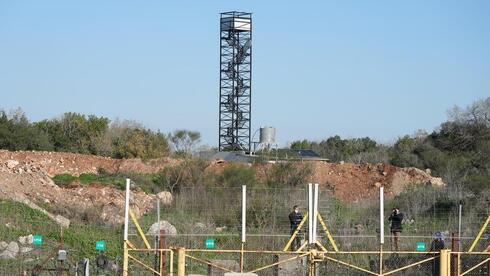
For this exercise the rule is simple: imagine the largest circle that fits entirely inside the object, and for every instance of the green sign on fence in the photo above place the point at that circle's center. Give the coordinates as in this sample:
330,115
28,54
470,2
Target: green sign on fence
209,244
37,239
100,245
420,246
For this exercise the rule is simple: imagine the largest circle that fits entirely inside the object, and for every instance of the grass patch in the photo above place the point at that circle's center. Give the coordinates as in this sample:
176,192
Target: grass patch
63,179
17,219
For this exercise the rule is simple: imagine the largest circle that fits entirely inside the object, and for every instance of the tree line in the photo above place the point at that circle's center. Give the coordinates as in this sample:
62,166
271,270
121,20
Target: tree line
458,150
74,132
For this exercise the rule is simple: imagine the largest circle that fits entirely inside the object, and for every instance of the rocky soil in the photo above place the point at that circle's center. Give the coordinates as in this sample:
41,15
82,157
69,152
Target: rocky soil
53,163
356,182
10,250
25,177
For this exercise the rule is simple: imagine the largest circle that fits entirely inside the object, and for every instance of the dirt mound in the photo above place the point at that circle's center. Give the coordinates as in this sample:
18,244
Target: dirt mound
355,182
27,183
54,163
352,182
26,176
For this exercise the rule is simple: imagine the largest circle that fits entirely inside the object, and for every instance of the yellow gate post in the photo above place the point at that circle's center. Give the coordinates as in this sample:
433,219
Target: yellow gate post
180,261
312,264
125,259
295,233
482,230
445,263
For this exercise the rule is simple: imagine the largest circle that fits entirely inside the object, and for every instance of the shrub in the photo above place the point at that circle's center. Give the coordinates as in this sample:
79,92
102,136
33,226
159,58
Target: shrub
142,143
189,173
236,175
289,174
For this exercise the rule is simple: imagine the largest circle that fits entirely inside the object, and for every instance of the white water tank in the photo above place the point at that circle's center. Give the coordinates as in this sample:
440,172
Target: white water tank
267,135
236,24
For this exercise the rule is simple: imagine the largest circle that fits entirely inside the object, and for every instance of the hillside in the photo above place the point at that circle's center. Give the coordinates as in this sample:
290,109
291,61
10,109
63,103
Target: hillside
26,177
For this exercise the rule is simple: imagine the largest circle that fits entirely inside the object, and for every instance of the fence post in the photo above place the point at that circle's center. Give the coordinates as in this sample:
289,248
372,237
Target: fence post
162,245
445,263
381,228
171,261
311,264
310,212
455,256
126,228
180,261
125,259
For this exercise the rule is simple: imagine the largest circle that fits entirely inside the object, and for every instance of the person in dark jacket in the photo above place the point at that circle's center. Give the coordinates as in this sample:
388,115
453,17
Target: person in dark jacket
295,218
396,228
436,246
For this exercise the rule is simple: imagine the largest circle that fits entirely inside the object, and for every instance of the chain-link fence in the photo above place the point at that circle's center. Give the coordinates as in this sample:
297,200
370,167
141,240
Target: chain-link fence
214,213
200,213
20,254
471,263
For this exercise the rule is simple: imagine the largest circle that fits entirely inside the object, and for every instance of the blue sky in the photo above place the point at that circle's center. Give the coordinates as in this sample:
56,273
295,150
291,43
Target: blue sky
353,68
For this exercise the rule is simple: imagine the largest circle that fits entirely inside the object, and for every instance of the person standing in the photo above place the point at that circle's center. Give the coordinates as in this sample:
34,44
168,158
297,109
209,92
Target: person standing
396,228
295,218
436,246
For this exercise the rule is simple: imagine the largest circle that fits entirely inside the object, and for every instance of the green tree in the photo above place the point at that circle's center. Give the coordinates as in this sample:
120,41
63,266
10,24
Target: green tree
300,144
17,133
75,132
403,154
184,141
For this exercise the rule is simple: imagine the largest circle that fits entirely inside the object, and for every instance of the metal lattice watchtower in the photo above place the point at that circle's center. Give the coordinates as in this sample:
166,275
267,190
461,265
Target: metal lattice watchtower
235,81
